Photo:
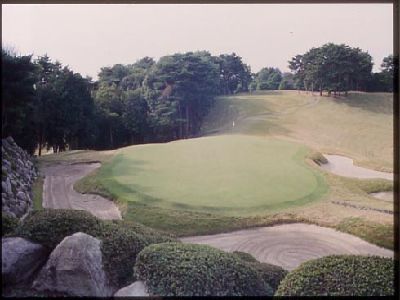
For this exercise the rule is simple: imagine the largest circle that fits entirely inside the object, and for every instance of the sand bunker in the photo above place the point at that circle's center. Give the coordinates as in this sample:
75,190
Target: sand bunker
343,166
291,244
58,191
386,196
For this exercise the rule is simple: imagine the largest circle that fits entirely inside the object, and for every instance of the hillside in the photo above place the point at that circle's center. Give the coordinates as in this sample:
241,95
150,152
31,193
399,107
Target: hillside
359,126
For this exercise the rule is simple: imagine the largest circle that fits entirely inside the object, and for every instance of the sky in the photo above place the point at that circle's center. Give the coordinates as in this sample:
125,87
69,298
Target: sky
88,37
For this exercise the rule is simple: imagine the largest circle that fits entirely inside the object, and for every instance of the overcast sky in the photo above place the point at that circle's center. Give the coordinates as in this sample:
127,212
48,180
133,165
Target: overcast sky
88,37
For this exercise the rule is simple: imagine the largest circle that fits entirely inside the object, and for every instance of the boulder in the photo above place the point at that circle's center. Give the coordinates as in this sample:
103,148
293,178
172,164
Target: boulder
20,258
136,289
74,268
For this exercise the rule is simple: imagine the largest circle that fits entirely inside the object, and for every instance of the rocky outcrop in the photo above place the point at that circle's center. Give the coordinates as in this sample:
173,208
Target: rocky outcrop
17,175
136,289
20,259
74,268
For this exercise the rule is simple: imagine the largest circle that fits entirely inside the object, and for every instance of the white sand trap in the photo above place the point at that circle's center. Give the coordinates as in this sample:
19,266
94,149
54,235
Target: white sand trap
343,166
58,192
386,196
290,245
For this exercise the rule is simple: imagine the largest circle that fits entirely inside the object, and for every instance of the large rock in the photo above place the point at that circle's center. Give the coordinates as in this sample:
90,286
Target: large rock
136,289
74,268
20,259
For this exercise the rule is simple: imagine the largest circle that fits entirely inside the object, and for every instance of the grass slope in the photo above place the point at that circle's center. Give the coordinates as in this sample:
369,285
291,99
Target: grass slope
359,126
229,175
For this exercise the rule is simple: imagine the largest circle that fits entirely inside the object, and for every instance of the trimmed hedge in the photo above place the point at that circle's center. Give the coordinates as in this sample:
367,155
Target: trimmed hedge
121,241
341,275
50,226
271,274
121,244
8,224
175,269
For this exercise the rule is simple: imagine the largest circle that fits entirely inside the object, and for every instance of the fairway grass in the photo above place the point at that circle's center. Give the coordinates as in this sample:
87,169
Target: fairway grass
233,175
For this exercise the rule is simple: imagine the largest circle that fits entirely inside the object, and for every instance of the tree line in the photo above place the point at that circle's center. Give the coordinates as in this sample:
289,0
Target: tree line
46,104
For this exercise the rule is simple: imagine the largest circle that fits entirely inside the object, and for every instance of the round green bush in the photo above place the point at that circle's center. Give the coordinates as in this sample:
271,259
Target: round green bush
271,274
8,224
122,241
50,226
176,269
341,275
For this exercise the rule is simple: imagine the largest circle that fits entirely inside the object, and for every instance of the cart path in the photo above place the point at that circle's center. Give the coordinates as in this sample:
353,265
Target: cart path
290,245
58,191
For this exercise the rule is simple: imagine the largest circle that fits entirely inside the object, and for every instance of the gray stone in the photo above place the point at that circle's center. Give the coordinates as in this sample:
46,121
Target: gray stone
3,186
20,258
8,186
75,268
21,195
136,289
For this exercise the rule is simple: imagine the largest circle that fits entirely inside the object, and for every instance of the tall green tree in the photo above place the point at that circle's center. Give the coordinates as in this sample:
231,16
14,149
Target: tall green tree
18,99
268,79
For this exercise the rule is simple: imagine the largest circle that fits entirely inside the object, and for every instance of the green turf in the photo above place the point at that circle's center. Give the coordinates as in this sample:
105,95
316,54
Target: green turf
230,175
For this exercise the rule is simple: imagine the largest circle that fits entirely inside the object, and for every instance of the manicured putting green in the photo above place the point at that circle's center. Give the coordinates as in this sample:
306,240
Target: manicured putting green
229,174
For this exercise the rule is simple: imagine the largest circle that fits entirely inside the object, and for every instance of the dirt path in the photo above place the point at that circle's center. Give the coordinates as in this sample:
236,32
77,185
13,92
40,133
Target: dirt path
343,166
58,191
291,244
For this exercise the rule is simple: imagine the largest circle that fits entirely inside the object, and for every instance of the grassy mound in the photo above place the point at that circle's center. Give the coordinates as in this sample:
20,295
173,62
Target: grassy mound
8,224
232,175
341,275
121,241
174,269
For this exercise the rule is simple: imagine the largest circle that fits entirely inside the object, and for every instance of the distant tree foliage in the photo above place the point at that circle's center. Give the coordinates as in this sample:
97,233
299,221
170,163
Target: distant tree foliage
287,82
268,79
333,68
382,81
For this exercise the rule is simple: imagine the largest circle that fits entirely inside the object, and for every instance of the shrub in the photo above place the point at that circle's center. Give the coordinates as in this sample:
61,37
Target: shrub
175,269
49,227
341,275
122,241
152,236
245,256
271,274
8,224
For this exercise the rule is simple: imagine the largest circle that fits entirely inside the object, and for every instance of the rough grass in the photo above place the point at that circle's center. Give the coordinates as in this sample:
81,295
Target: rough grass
213,175
37,191
381,235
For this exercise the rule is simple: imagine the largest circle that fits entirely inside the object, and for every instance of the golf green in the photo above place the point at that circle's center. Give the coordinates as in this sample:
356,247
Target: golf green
228,174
